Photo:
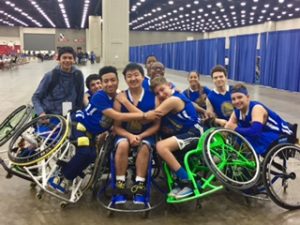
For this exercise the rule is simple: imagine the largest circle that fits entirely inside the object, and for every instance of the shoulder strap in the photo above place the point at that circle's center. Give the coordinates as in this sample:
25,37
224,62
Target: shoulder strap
78,80
54,80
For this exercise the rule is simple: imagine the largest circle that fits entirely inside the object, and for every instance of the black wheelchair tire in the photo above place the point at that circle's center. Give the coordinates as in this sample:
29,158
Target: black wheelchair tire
28,113
227,181
265,168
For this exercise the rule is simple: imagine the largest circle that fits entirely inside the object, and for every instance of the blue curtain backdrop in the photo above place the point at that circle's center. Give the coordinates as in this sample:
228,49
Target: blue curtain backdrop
242,58
280,59
200,55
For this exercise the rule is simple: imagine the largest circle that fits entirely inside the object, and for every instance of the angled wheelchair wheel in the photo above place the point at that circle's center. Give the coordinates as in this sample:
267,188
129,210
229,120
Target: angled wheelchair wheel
102,162
14,121
231,158
38,139
281,173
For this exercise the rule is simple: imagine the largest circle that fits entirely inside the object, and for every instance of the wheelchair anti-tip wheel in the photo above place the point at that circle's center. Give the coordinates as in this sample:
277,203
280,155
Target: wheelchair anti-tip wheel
14,121
38,139
281,173
231,158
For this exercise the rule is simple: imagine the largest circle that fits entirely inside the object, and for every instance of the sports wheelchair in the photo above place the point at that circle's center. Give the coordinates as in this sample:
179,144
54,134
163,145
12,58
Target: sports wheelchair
217,156
105,184
38,150
226,155
14,121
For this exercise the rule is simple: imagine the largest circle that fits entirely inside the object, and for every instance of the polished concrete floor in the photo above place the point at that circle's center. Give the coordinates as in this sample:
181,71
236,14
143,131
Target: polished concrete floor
18,205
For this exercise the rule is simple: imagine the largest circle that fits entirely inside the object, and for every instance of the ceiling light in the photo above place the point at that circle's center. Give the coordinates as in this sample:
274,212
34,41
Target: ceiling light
290,5
170,2
243,3
42,12
281,1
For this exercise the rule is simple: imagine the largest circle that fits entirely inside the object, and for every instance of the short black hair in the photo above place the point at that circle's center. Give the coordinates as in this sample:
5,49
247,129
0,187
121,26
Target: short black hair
219,68
90,78
66,49
107,69
149,57
133,66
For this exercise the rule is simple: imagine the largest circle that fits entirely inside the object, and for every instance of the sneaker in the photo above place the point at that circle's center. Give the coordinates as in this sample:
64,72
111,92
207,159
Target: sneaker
139,199
184,192
120,184
58,183
174,191
139,188
119,199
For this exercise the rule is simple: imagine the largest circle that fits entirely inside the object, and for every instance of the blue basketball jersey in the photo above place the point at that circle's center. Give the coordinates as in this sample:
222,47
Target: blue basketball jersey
195,96
145,104
92,117
90,94
272,129
146,83
182,121
221,103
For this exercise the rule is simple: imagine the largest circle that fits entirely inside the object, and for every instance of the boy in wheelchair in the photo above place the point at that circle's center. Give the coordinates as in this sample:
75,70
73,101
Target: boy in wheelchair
95,119
261,126
139,135
179,128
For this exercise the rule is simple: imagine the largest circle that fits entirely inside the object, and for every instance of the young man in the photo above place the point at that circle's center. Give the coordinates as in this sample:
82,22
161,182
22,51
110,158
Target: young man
155,69
93,84
96,118
149,61
61,89
139,135
257,123
179,128
218,101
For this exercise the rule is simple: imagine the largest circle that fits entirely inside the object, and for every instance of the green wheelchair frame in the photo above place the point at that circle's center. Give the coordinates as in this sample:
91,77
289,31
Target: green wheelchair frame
225,157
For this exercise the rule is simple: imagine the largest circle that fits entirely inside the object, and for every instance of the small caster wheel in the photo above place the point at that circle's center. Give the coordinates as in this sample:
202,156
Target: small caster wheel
32,185
63,205
198,205
8,176
110,213
39,196
146,214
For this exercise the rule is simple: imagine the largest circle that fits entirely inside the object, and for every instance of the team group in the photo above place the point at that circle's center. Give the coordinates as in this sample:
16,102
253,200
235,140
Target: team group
151,115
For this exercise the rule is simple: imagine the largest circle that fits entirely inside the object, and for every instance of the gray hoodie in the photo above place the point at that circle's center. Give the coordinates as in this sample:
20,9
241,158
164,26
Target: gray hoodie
63,91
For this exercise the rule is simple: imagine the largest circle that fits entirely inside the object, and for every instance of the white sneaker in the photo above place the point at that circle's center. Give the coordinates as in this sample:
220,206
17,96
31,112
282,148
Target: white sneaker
184,192
174,191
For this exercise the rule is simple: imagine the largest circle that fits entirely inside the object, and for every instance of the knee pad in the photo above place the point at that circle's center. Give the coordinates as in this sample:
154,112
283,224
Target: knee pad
80,127
83,142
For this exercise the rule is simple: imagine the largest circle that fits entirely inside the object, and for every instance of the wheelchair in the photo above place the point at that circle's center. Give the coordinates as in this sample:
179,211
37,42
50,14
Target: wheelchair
39,149
278,174
229,158
221,155
281,168
14,122
105,184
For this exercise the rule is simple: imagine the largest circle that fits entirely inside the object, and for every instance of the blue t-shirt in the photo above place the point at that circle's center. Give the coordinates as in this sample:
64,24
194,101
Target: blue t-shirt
146,103
195,96
180,122
92,116
146,83
221,103
272,129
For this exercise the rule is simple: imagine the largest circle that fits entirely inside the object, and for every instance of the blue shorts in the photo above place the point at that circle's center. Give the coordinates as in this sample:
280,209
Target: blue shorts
149,141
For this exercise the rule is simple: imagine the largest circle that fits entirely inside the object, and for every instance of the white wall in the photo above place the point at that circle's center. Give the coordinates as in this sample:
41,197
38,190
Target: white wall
137,38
